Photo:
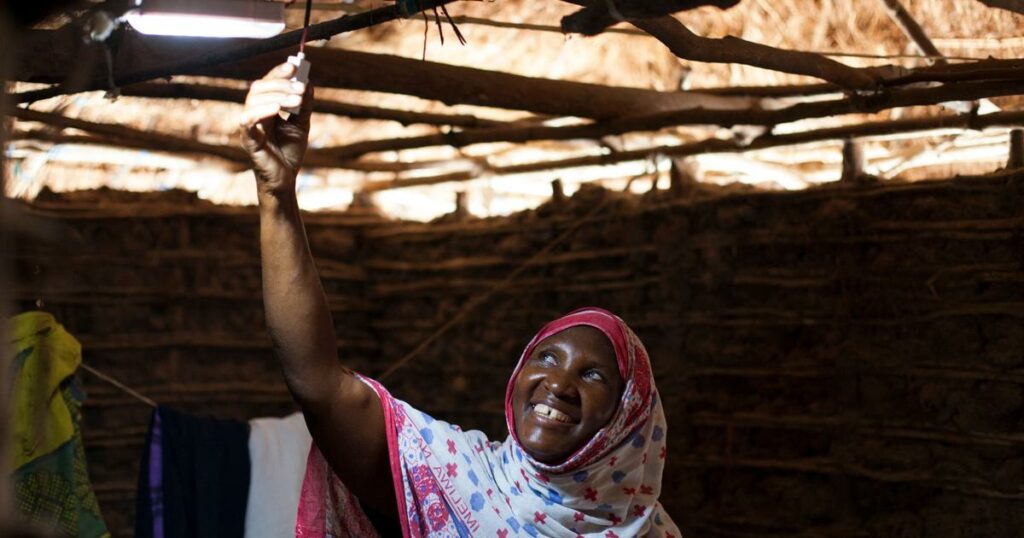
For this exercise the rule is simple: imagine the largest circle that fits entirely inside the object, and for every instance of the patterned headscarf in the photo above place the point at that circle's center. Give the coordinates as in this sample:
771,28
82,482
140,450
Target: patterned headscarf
456,483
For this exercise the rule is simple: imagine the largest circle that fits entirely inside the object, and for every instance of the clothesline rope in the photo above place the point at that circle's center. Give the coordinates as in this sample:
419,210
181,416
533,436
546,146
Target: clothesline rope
466,310
130,391
507,281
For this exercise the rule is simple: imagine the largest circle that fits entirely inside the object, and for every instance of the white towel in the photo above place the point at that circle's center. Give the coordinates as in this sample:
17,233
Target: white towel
278,448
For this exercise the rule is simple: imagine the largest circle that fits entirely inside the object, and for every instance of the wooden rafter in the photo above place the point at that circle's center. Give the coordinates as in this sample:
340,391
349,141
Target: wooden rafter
716,145
689,46
231,95
114,135
726,118
337,68
247,48
133,137
912,29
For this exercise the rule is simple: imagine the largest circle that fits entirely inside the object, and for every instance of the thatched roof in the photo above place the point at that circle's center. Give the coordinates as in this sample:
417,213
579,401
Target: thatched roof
182,132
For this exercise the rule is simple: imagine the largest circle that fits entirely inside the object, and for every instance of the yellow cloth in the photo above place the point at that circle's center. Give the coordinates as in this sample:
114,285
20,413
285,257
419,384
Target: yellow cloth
44,355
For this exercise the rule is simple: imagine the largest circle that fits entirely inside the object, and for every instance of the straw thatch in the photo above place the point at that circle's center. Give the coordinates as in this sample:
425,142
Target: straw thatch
383,123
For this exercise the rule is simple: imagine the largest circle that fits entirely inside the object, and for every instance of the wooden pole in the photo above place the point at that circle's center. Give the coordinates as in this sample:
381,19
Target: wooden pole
231,95
717,145
853,162
557,191
135,136
912,29
461,206
689,46
338,68
1016,159
963,91
219,54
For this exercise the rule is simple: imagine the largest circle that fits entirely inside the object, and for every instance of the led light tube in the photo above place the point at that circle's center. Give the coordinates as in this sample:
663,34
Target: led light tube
207,18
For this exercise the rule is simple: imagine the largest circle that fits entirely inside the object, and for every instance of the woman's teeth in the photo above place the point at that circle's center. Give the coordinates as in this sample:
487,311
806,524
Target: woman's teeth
554,414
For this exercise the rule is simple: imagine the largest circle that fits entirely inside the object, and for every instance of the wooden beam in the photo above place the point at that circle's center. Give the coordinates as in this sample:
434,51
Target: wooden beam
653,122
224,52
853,162
1016,159
337,68
912,29
120,136
133,136
597,17
689,46
161,90
717,145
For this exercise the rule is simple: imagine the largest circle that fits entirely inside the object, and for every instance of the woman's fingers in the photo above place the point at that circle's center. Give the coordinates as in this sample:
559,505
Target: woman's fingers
306,111
276,86
270,95
286,100
257,113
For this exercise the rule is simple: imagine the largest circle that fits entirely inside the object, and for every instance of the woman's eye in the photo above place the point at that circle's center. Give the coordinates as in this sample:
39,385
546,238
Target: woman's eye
546,358
593,375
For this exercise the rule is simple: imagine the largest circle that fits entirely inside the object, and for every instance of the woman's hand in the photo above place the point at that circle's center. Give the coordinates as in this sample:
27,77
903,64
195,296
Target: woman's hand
276,146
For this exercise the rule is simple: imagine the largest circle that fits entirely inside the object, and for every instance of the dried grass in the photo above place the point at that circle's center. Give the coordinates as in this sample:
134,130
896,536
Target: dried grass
958,27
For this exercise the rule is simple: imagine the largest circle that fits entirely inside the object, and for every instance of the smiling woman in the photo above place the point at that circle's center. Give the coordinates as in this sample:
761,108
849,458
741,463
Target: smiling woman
584,456
586,445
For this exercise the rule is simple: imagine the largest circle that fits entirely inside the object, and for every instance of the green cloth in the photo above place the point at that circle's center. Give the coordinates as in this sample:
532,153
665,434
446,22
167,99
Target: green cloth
44,356
52,488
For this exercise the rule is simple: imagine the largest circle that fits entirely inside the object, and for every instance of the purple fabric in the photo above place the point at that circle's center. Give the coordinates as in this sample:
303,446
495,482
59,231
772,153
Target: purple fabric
156,485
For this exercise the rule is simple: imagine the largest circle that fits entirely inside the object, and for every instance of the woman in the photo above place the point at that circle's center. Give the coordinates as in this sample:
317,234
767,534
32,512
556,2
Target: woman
586,444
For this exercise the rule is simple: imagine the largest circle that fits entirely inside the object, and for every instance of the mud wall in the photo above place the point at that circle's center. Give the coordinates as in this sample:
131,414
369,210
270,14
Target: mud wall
838,362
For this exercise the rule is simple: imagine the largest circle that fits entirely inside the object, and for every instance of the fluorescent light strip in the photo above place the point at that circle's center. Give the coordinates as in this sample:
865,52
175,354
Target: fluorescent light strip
211,18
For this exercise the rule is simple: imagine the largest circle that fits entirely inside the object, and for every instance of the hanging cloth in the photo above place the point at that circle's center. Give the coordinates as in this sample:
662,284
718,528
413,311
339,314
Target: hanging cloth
45,355
194,477
51,480
277,449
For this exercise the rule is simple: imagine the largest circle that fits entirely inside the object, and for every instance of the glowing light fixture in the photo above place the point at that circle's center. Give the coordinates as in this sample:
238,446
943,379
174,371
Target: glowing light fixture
207,18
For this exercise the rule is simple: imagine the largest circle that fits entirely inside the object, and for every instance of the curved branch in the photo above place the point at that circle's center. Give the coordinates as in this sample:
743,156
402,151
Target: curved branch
689,46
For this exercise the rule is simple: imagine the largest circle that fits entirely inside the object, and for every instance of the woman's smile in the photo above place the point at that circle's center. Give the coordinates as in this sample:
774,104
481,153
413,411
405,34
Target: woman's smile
548,414
567,390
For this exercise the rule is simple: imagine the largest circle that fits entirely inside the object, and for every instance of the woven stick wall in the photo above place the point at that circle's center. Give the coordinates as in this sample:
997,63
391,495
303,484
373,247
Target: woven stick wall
837,362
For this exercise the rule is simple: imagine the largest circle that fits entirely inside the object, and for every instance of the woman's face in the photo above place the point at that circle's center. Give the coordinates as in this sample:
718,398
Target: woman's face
567,390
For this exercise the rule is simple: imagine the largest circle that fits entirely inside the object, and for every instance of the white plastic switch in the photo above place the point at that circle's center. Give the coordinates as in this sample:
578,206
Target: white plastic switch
301,75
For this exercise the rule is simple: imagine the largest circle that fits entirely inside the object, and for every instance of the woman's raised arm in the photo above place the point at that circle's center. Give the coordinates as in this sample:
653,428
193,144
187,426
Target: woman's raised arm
344,415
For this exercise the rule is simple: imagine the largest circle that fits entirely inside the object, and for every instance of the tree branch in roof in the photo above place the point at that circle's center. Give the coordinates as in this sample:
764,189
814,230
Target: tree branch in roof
716,145
596,17
337,108
689,46
133,137
965,91
912,29
218,54
336,68
113,135
1016,6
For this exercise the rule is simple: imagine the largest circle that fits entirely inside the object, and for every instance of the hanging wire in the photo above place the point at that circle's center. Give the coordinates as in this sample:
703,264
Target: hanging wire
305,26
128,390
